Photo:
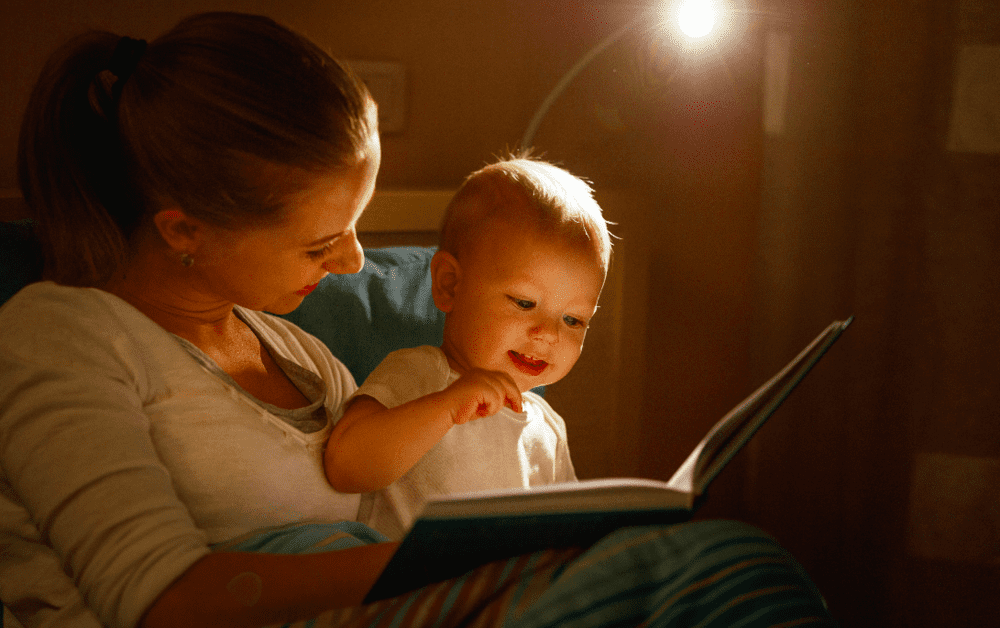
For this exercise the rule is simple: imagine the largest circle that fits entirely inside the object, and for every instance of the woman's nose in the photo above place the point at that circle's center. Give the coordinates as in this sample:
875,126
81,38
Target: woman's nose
350,259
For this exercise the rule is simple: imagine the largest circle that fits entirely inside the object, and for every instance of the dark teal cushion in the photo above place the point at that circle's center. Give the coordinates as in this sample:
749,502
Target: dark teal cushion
20,258
384,307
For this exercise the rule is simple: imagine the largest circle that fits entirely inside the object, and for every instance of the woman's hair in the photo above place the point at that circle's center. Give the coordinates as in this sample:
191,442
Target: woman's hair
523,188
224,116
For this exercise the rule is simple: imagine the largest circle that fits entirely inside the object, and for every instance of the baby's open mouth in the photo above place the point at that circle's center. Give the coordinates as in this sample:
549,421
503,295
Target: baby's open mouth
527,364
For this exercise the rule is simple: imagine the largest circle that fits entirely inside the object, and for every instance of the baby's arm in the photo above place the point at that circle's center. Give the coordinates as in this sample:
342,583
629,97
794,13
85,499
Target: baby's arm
373,446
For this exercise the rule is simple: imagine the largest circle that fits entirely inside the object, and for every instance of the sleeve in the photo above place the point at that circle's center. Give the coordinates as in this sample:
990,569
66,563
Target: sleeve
33,585
405,375
76,452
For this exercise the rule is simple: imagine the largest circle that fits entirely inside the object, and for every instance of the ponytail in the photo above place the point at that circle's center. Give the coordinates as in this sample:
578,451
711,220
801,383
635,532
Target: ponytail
70,165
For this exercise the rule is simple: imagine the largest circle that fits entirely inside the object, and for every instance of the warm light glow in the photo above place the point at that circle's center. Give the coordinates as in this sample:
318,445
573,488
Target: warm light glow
696,17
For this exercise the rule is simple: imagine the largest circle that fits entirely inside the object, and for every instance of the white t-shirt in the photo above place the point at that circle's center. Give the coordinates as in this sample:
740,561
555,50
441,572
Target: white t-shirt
123,457
506,450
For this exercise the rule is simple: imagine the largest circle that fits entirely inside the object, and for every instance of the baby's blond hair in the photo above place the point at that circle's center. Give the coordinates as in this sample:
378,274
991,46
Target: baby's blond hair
547,196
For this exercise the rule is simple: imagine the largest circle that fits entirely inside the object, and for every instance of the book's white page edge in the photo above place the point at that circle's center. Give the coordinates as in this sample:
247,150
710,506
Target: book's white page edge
556,487
683,479
604,494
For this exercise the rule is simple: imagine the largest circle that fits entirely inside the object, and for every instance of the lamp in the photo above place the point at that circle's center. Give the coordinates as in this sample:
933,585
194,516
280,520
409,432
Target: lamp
696,19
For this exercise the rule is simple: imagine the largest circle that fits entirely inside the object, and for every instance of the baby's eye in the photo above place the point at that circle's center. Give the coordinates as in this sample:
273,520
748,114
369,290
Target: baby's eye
574,322
524,304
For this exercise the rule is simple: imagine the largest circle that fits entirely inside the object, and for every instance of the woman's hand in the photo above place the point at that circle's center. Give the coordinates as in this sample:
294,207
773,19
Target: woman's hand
247,589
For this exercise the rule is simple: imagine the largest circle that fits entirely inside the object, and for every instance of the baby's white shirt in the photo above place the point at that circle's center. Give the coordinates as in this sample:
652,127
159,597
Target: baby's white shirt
506,450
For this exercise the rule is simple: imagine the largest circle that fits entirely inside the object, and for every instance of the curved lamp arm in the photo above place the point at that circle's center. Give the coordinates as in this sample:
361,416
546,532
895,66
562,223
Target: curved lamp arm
536,120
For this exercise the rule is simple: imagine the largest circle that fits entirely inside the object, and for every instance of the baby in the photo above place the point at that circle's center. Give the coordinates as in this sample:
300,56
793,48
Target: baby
523,257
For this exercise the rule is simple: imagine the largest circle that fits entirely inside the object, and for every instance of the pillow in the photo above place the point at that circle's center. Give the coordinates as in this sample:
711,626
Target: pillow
384,307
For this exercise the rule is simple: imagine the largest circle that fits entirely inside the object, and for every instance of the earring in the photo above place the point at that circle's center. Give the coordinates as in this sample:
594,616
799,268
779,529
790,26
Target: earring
186,260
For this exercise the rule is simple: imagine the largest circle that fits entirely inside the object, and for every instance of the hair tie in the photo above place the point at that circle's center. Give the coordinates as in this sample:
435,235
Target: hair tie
123,62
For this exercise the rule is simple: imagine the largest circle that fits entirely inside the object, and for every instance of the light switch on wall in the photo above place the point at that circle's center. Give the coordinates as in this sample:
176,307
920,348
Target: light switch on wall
387,83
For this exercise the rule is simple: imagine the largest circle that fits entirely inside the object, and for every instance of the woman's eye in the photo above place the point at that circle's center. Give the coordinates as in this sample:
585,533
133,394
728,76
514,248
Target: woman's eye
524,304
320,253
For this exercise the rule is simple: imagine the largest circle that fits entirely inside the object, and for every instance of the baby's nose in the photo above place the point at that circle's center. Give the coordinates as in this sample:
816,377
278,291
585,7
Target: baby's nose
546,331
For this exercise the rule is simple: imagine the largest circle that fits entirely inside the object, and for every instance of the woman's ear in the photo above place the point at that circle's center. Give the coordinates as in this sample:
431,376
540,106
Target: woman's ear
446,273
181,232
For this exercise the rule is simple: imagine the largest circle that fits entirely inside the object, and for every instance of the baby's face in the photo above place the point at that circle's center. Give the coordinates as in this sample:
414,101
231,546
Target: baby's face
522,305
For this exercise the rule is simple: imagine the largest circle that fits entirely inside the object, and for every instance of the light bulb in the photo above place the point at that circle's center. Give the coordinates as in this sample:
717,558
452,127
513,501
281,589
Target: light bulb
696,17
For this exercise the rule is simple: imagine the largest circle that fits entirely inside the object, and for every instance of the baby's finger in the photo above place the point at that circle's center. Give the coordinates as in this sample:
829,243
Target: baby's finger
512,396
513,402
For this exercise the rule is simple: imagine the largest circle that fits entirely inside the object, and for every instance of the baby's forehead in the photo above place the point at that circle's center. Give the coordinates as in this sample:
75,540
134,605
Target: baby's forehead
529,223
546,245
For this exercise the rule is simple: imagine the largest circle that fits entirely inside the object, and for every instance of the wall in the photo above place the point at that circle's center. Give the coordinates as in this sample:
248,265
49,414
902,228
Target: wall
885,483
476,69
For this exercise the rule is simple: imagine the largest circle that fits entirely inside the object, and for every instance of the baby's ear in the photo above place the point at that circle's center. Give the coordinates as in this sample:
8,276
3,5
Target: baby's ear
445,275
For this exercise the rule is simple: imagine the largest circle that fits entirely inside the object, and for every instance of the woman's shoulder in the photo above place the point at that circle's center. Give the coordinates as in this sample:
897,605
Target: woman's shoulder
41,291
83,328
46,303
39,302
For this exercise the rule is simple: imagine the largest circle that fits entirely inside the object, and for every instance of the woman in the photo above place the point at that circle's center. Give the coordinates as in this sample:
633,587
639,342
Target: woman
150,412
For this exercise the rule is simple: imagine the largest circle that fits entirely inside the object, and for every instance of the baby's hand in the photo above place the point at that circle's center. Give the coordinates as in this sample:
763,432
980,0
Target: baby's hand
480,393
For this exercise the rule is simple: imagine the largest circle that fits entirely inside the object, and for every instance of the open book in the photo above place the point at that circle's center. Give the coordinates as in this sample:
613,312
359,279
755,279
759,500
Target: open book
457,533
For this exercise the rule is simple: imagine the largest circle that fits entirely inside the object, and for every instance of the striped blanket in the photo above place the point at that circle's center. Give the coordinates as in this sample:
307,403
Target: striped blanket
701,574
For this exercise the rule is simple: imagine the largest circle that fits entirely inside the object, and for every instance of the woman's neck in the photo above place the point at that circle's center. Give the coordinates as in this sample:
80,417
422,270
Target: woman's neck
165,293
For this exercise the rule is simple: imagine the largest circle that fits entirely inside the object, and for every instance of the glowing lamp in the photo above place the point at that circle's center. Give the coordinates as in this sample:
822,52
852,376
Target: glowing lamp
695,19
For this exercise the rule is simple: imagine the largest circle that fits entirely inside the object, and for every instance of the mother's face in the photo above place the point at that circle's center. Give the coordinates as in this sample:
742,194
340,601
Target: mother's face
274,268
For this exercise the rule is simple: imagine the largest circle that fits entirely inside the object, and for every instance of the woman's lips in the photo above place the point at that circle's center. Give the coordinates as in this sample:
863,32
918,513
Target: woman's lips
526,365
303,292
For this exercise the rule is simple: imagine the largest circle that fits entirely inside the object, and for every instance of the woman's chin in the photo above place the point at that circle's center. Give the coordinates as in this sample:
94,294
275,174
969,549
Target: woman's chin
285,305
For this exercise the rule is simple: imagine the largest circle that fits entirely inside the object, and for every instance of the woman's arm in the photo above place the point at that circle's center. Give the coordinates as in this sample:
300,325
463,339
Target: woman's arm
373,446
242,589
